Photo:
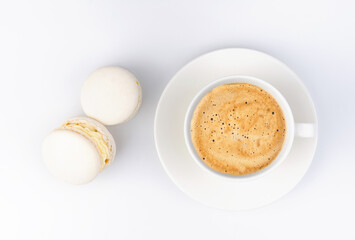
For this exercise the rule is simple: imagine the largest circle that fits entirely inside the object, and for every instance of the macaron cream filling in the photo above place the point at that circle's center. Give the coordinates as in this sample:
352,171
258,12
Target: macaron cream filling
94,135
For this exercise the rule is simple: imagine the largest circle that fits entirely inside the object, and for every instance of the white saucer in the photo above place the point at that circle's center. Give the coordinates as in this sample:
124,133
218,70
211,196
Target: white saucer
169,130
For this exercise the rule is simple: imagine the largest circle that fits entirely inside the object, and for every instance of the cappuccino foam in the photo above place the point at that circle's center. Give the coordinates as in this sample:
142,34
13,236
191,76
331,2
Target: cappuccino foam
238,128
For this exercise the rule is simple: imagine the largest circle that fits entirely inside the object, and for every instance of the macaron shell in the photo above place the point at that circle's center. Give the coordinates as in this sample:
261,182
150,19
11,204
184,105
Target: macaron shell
111,95
102,129
138,105
71,157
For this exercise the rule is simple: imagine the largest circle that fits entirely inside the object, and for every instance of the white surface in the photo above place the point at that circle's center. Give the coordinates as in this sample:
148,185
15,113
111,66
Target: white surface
216,189
111,95
48,49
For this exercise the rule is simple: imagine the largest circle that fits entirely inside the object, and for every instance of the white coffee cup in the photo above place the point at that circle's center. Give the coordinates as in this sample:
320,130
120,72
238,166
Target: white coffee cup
293,129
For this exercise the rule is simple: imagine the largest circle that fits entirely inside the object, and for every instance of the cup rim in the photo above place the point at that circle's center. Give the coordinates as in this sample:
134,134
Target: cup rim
257,82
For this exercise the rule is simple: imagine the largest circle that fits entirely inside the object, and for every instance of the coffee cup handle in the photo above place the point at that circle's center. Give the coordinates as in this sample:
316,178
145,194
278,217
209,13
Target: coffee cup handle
304,130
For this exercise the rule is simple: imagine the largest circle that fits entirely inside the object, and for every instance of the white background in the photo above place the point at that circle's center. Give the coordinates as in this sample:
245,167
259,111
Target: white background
47,50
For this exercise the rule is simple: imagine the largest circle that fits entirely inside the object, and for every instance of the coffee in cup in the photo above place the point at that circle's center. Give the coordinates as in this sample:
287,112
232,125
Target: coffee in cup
238,128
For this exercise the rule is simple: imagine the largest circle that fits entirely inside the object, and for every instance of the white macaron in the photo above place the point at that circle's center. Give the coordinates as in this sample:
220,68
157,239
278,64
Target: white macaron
111,95
78,150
